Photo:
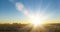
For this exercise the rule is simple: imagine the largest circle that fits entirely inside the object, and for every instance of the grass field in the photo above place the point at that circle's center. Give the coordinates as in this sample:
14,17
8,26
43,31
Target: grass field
25,28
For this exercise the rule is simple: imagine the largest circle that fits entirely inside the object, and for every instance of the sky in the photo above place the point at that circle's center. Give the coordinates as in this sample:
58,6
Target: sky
19,9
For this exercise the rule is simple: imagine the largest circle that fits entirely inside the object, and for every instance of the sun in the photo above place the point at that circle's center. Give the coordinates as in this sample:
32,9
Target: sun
35,20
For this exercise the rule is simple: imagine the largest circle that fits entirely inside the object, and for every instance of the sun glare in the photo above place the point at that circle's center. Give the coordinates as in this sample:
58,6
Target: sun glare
35,20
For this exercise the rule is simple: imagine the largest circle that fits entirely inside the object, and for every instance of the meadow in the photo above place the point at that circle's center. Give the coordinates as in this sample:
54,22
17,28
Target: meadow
15,27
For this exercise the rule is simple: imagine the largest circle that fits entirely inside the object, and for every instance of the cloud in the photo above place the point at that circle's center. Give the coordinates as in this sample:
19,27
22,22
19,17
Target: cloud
19,6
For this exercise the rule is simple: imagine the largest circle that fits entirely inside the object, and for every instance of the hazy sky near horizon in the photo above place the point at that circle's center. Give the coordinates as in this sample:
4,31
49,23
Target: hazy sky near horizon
8,9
